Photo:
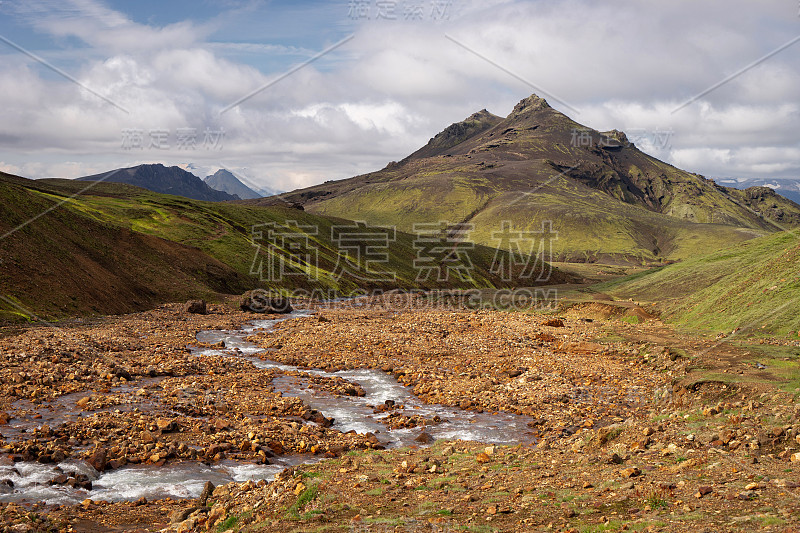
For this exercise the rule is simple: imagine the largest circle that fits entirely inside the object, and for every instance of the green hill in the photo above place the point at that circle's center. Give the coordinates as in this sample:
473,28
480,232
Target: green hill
607,200
115,248
754,285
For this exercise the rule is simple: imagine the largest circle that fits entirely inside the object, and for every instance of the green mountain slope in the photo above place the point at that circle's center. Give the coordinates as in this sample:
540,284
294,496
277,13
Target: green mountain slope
114,248
57,261
606,199
753,285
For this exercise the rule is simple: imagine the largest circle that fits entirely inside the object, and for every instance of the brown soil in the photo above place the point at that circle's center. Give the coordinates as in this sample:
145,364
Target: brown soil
632,432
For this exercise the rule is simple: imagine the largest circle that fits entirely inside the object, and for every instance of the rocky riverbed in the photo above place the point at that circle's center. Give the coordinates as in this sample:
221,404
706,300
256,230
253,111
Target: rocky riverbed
117,424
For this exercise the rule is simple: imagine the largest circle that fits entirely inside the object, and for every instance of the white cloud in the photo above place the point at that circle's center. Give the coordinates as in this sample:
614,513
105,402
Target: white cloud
624,65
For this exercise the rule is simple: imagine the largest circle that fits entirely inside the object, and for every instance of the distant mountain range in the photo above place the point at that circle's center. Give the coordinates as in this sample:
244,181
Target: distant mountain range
788,188
226,181
607,200
221,186
165,180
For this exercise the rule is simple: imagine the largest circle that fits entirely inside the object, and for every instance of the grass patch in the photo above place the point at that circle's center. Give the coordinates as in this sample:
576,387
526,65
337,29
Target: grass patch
228,523
656,501
305,497
753,285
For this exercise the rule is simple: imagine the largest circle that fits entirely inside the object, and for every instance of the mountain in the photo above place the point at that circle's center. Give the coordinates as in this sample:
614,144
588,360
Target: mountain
117,248
607,200
223,180
753,285
788,188
62,257
165,180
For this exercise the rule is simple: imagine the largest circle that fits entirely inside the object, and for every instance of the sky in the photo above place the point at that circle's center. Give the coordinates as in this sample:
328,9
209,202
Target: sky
287,94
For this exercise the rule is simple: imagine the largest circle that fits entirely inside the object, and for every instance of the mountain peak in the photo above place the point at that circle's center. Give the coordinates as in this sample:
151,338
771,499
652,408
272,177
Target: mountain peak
159,178
483,114
530,104
457,133
226,181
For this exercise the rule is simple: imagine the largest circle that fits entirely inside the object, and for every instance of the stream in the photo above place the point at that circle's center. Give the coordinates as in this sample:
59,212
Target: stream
28,482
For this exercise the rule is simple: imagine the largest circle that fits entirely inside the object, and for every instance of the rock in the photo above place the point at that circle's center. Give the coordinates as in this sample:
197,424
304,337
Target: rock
795,458
627,486
648,431
166,425
123,374
490,450
4,418
608,433
259,301
98,459
60,479
703,490
147,437
179,515
189,525
208,490
630,472
615,459
83,402
197,307
482,458
747,495
216,513
554,323
424,438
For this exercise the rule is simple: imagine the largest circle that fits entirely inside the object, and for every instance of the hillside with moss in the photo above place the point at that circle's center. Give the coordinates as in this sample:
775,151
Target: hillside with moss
70,248
754,286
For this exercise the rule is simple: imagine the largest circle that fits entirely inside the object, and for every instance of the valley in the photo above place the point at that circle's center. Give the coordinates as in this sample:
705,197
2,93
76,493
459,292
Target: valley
505,331
623,425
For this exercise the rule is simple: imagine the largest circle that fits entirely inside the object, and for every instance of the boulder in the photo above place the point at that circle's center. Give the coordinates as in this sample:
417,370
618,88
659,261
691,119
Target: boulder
424,438
208,490
197,307
98,459
166,425
260,301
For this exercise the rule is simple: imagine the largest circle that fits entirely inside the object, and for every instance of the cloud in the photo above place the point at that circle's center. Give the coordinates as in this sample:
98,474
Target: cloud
625,65
101,27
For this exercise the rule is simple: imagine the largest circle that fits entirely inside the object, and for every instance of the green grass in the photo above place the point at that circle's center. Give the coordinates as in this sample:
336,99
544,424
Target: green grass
228,523
132,244
753,286
656,501
305,497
